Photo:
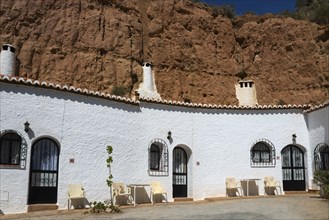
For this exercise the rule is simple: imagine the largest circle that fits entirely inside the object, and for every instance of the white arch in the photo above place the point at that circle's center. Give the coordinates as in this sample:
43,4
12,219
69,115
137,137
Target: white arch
49,137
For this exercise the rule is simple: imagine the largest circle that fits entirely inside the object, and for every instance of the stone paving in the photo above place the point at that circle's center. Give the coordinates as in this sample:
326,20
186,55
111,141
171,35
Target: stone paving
304,206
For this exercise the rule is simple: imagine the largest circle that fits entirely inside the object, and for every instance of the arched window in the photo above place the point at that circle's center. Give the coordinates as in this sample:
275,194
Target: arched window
262,154
13,149
321,157
158,158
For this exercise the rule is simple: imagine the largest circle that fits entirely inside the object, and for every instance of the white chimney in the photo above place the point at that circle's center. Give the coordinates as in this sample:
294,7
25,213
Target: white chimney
246,93
147,89
7,60
148,83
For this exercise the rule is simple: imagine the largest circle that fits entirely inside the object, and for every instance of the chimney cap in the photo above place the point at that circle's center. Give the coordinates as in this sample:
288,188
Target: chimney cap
246,80
147,64
8,47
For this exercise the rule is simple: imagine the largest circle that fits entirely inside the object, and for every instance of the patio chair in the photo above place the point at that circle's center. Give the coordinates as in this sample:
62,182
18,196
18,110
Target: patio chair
232,185
75,192
270,183
120,189
157,189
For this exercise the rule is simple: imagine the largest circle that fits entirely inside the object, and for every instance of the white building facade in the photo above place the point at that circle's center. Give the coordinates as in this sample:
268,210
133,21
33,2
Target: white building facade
189,148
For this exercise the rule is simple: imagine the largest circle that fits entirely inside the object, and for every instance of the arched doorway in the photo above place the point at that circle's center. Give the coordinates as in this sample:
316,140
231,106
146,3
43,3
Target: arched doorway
44,172
293,168
179,172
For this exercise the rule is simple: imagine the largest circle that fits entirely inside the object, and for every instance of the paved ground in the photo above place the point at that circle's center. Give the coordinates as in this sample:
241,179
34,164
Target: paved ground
305,206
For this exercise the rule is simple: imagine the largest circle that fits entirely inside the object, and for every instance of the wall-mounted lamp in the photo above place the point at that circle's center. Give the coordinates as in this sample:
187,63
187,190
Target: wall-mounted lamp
169,135
26,126
294,137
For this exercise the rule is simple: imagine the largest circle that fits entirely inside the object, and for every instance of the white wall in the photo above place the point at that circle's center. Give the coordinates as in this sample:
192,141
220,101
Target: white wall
318,126
83,126
220,140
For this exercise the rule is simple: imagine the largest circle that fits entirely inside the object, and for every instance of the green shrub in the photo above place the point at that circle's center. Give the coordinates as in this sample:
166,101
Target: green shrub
291,14
312,10
100,207
242,74
281,102
119,90
321,177
224,10
320,12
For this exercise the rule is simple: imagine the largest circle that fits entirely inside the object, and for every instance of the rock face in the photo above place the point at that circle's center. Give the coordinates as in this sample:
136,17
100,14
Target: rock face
198,56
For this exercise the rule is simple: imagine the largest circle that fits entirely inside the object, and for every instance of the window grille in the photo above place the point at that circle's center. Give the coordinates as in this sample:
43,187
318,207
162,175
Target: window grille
262,154
13,150
158,158
321,157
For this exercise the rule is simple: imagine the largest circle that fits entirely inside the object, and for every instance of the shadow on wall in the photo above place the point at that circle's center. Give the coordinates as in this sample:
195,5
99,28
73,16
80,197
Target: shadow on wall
270,191
122,200
31,134
159,198
232,192
63,95
142,196
80,203
253,188
216,111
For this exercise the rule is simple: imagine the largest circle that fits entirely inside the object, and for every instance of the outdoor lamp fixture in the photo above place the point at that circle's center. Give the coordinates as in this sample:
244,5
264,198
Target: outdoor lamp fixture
294,136
169,135
26,126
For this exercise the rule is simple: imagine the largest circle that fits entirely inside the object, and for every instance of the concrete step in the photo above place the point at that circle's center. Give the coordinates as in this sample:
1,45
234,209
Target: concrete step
295,192
185,199
41,207
314,191
223,198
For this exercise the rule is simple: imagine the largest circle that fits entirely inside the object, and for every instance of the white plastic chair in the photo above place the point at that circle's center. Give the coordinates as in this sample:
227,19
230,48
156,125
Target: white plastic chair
157,189
120,189
75,192
232,185
270,183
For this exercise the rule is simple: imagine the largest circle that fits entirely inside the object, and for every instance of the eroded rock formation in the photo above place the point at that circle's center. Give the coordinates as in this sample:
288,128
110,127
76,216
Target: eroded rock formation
198,56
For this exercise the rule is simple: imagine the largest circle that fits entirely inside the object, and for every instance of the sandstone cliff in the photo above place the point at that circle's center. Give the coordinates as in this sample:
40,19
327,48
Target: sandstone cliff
198,55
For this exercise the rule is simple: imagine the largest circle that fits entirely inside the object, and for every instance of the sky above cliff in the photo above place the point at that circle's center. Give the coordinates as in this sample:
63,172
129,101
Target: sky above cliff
256,6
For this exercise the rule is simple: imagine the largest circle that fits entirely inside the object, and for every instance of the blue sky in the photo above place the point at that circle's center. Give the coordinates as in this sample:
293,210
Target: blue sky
256,6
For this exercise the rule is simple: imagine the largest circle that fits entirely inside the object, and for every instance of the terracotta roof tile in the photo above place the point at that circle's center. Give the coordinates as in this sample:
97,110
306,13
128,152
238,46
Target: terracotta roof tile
30,82
316,107
201,105
23,81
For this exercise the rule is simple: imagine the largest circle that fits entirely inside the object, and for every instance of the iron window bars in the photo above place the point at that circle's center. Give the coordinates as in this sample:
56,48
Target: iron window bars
158,158
321,157
13,150
262,154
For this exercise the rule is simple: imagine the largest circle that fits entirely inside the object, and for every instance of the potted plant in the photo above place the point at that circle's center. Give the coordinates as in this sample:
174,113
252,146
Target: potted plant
321,177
